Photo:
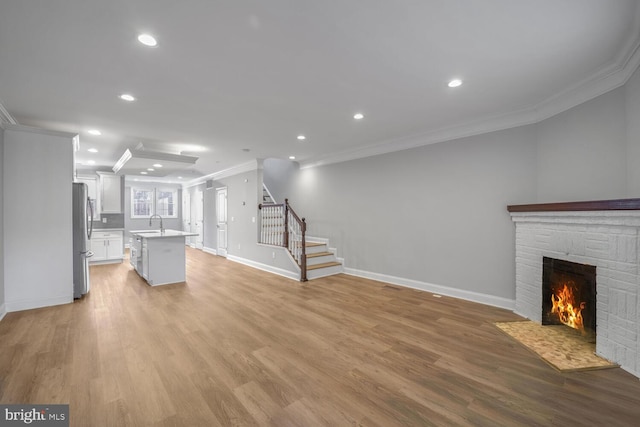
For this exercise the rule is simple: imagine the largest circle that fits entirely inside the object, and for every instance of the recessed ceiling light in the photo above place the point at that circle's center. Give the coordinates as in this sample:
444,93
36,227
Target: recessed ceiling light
292,157
127,97
179,177
92,150
454,83
147,40
150,169
95,132
135,179
143,173
358,116
91,162
157,165
302,137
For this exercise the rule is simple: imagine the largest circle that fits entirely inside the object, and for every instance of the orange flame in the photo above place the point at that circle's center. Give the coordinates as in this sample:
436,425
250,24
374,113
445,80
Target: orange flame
564,305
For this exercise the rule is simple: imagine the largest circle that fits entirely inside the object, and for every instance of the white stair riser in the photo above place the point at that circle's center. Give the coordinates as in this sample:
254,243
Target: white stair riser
322,272
320,259
316,249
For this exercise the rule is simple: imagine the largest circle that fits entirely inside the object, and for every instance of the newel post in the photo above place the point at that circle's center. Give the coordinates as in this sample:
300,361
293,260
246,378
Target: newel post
286,223
303,258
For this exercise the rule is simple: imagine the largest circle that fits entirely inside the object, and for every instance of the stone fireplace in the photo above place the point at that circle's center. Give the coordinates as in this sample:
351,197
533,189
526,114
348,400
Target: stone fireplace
603,235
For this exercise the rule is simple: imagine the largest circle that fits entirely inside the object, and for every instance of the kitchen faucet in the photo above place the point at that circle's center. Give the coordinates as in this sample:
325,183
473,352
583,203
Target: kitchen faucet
161,226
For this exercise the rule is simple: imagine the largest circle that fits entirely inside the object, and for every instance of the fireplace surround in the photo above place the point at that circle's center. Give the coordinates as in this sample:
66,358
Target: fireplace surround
602,234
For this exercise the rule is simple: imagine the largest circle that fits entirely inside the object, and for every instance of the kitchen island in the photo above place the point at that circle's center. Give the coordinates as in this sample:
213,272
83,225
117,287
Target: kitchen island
159,256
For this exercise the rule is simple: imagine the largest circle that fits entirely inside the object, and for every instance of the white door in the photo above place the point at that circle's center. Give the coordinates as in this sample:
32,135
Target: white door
186,214
199,219
221,220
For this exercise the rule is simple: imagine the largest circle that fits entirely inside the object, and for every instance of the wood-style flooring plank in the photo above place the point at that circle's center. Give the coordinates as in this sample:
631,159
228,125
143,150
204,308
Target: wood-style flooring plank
235,346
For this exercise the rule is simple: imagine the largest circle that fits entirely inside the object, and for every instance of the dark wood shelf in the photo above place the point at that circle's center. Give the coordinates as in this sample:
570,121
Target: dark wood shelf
596,205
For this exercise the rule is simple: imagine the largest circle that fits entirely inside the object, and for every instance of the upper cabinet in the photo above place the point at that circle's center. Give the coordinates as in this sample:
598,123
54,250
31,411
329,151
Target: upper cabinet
110,187
92,183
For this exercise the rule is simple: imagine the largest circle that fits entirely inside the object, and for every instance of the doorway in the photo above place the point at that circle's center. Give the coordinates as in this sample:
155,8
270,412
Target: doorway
221,220
198,219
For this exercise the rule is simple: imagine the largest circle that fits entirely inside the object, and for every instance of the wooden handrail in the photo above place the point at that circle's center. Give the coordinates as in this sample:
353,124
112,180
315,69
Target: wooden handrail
292,237
302,259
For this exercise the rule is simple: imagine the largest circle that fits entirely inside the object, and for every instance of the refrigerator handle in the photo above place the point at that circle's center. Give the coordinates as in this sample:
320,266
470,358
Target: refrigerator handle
89,225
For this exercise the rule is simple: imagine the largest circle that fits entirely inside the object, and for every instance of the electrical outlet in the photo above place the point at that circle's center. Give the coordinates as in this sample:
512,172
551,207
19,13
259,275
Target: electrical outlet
273,255
253,219
233,218
104,220
238,245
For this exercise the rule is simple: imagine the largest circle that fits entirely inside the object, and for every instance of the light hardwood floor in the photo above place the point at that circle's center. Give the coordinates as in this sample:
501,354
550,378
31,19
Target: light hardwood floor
238,346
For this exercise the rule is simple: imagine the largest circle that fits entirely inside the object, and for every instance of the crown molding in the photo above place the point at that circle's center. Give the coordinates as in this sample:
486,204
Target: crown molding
234,170
5,117
604,80
30,129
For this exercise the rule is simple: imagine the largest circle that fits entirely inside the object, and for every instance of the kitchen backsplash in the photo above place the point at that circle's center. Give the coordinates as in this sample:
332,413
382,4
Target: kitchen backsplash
113,221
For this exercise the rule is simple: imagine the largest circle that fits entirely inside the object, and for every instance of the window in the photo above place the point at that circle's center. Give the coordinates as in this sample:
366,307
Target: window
146,202
166,203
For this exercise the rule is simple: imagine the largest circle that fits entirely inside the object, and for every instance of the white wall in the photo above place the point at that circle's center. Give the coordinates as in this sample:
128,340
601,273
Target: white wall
38,245
2,305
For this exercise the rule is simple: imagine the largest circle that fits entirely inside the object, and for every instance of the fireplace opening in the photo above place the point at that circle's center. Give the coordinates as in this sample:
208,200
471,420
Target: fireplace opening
569,295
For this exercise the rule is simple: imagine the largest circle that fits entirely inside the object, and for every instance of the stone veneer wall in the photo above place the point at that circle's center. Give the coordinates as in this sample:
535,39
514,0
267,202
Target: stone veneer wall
608,240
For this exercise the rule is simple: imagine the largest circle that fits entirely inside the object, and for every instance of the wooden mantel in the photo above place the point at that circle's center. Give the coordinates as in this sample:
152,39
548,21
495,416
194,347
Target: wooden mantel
597,205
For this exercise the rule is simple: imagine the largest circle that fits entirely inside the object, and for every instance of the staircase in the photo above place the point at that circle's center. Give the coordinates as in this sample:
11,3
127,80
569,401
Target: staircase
320,261
281,226
267,199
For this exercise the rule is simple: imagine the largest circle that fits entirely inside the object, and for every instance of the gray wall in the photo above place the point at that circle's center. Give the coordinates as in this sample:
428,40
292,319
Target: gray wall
143,224
632,103
434,214
277,176
437,214
2,307
244,193
38,244
582,152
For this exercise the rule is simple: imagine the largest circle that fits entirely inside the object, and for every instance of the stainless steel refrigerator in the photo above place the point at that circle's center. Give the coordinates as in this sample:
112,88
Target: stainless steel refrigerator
82,228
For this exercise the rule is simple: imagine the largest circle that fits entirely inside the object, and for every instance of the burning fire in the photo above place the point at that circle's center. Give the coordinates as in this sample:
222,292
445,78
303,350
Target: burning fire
565,306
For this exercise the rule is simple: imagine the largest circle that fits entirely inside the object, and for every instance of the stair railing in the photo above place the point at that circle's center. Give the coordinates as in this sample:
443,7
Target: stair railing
281,226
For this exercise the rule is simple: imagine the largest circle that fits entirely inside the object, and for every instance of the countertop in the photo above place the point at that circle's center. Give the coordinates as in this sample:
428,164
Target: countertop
155,234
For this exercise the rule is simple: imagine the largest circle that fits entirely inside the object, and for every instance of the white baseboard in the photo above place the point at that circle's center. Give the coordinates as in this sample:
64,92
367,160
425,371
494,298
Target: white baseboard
210,251
438,289
264,267
28,304
3,311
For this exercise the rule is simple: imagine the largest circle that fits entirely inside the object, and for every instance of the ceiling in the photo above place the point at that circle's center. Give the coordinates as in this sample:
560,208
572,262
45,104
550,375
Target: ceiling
233,81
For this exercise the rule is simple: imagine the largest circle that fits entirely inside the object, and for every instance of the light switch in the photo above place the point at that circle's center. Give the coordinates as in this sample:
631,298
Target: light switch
253,219
104,220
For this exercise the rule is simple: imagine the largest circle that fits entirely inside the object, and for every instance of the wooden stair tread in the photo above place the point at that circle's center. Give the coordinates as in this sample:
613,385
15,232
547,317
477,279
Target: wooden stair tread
312,244
323,265
317,254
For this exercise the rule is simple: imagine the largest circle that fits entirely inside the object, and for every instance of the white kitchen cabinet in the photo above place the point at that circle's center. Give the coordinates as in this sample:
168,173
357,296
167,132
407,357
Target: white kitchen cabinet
107,246
92,183
110,192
